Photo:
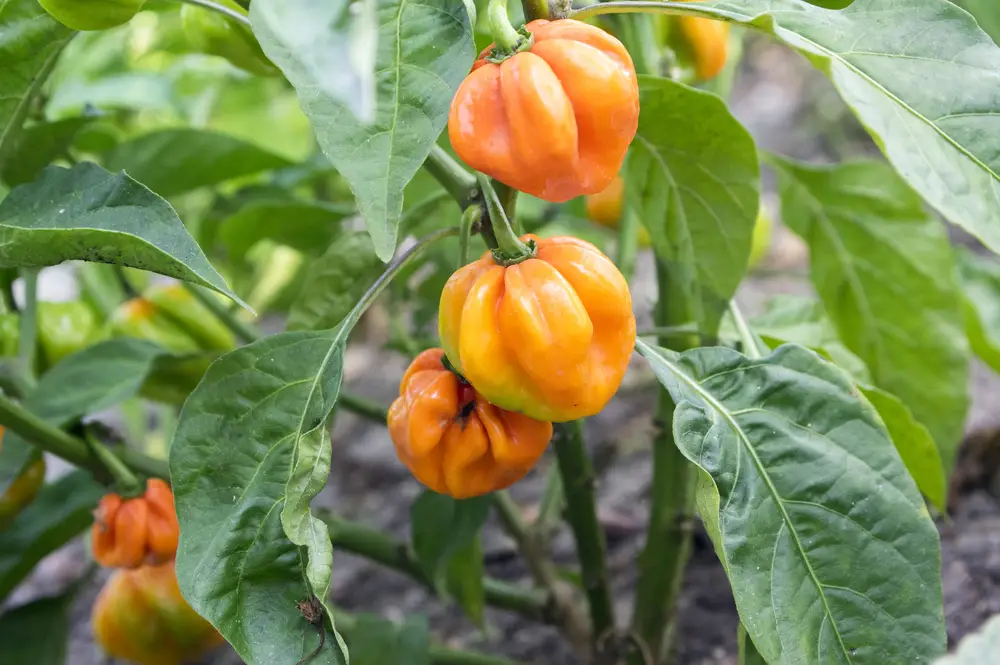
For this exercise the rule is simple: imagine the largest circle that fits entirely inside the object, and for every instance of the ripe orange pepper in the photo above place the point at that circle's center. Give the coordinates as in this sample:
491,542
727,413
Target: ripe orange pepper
128,533
554,120
140,616
453,440
549,337
605,208
709,43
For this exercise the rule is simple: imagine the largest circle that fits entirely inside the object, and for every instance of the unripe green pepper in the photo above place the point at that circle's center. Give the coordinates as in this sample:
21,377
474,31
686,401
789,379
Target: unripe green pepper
21,492
213,33
183,309
65,328
92,14
141,319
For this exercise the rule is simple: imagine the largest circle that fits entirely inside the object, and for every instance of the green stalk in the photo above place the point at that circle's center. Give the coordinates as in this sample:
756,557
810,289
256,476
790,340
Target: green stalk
535,9
363,407
471,219
505,36
510,249
668,537
244,331
581,513
28,346
628,243
456,180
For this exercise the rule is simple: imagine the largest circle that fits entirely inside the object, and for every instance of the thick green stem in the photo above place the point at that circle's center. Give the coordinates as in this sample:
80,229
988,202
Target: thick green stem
628,243
53,440
125,480
395,554
505,36
668,537
472,219
511,249
244,331
363,407
453,176
535,9
28,345
581,513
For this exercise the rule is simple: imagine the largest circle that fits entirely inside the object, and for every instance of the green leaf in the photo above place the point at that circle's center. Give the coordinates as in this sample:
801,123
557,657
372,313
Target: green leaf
37,633
30,44
978,648
174,161
465,580
442,526
692,174
336,281
251,444
922,78
57,515
90,214
308,226
829,549
38,145
986,14
333,43
375,641
884,270
424,52
980,277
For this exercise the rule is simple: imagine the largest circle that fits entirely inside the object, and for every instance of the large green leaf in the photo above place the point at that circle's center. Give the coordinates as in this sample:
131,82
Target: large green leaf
36,633
333,43
308,226
921,76
30,44
803,321
830,552
174,161
693,176
90,214
57,515
375,641
335,282
884,270
978,648
981,283
424,51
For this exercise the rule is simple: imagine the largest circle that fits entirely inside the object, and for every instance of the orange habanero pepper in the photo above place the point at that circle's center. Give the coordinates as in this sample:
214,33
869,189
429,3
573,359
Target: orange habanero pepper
553,120
128,533
709,44
140,616
453,440
549,337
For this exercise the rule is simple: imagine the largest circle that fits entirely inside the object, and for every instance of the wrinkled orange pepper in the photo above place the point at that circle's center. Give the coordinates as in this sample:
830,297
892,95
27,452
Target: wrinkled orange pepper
554,120
549,337
453,440
709,44
128,533
140,616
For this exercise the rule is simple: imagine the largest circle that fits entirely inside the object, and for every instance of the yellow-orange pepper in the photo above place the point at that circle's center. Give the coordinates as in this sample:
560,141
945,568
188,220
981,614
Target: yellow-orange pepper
549,337
709,44
128,533
140,616
554,120
453,440
605,208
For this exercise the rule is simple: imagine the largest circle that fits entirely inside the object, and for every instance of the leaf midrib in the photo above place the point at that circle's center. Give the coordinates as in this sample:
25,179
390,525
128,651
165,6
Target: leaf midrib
778,499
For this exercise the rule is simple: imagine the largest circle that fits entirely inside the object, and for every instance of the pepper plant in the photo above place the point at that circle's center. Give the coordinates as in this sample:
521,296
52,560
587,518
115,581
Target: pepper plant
210,169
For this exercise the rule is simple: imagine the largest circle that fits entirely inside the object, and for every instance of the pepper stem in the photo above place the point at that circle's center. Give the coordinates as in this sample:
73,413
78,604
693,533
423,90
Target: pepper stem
510,249
505,36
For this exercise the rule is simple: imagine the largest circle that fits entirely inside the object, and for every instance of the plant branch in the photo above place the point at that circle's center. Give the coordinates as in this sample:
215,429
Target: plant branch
53,440
453,176
511,249
27,349
216,7
505,36
753,345
397,555
581,513
363,407
244,331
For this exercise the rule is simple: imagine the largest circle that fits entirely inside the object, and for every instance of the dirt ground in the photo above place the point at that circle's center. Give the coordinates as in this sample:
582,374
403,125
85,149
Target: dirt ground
368,484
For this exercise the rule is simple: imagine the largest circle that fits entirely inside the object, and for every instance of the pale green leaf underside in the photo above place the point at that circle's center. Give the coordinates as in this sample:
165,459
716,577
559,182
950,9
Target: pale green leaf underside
921,76
424,52
693,175
830,551
981,286
978,648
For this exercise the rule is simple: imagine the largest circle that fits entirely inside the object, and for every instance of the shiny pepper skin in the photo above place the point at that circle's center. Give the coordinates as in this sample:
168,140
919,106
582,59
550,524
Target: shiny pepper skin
555,120
92,14
453,440
708,41
140,616
549,337
128,533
